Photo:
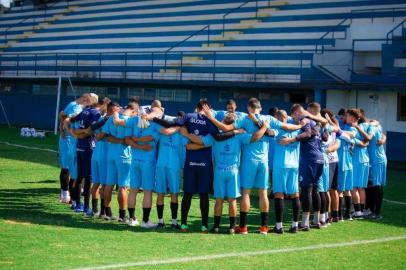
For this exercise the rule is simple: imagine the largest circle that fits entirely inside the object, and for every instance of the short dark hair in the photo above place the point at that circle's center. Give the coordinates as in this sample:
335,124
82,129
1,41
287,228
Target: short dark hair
273,111
254,103
201,103
112,104
229,118
134,99
231,101
342,111
295,107
314,105
180,113
355,113
328,112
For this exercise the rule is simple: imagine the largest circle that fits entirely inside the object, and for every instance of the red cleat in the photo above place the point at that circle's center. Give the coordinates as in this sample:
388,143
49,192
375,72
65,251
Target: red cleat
241,230
263,230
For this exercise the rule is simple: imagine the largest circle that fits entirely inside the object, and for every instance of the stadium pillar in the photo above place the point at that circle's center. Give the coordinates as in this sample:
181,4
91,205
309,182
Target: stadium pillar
58,98
320,96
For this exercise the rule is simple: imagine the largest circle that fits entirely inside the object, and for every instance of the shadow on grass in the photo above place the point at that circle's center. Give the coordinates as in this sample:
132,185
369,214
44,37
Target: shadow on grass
40,182
39,206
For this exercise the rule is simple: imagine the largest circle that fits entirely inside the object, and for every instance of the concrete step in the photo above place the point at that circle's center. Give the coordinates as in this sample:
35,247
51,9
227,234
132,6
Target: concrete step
213,45
169,71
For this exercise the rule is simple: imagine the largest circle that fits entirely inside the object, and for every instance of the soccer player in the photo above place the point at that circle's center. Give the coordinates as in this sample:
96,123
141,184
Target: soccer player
271,149
230,108
67,148
311,163
168,171
330,150
84,147
143,141
378,169
118,160
254,165
198,167
345,165
286,174
361,165
226,159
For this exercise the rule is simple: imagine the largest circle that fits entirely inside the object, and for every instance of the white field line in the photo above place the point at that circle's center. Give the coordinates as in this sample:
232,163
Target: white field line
394,202
29,147
243,254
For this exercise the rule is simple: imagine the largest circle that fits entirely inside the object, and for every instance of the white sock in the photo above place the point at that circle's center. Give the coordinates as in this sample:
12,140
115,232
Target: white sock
305,219
294,223
316,217
358,213
279,225
174,222
323,217
161,220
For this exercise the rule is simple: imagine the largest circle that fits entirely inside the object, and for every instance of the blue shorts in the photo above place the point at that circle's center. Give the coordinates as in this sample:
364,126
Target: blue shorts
226,183
324,183
63,153
254,174
360,174
285,180
99,172
142,175
84,160
345,180
197,178
378,174
167,180
309,174
118,172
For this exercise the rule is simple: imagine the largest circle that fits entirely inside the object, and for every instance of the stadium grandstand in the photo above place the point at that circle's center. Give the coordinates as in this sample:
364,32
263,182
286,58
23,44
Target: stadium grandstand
340,53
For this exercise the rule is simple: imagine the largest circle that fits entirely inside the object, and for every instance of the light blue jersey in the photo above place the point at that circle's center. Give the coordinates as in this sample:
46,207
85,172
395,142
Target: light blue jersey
360,154
256,151
227,153
116,150
286,156
220,115
100,150
376,152
271,152
171,149
152,130
345,152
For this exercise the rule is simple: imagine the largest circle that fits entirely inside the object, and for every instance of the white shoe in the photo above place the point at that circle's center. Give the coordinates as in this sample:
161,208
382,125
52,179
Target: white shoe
148,225
133,222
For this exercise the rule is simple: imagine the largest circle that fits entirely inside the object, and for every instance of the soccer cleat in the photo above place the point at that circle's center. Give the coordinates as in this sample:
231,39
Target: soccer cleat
348,218
88,213
132,222
358,216
109,218
293,229
204,229
160,225
73,205
315,225
79,209
263,230
241,230
123,219
323,224
231,231
303,228
215,230
376,216
175,227
148,225
277,231
184,228
335,219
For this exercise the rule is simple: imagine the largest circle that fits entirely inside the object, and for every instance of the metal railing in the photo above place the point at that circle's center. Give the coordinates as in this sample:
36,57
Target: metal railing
237,8
350,16
148,65
189,37
391,33
34,20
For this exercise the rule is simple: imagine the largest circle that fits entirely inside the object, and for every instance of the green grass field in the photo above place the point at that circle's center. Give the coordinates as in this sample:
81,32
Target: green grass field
37,232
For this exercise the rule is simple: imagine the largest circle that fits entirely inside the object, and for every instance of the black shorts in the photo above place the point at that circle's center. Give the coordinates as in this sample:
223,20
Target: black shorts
84,160
333,183
309,174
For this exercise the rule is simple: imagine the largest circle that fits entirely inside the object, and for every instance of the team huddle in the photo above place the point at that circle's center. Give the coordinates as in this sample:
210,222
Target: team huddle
331,166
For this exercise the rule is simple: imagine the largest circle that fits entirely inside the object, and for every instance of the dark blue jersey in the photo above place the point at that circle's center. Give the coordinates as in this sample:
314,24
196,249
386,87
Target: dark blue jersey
198,124
310,143
86,118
